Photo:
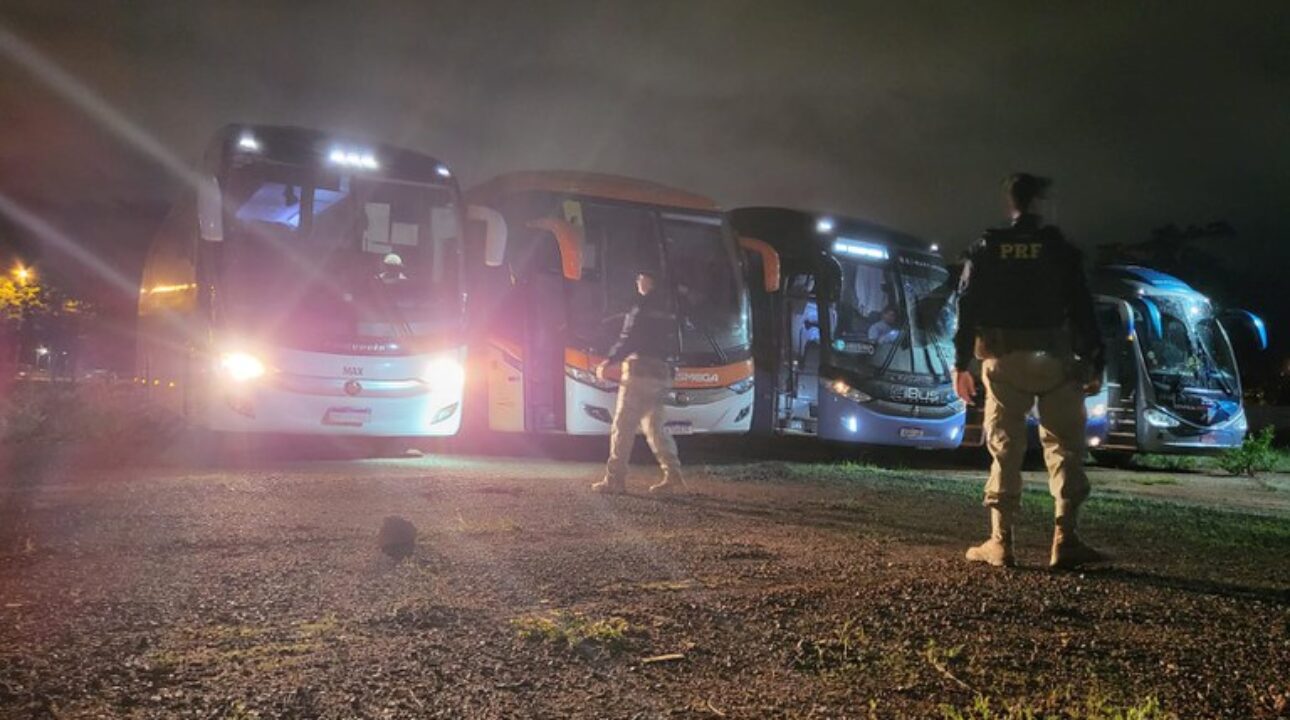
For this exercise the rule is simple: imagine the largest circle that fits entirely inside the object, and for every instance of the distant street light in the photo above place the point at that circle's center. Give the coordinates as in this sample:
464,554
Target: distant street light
42,351
23,274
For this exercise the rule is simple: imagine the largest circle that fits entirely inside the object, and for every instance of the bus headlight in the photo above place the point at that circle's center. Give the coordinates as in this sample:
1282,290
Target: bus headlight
842,388
742,386
445,375
1159,418
588,377
241,366
1097,411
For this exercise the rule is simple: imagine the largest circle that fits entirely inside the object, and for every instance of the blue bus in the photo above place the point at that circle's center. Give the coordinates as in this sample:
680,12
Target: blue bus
1172,383
852,330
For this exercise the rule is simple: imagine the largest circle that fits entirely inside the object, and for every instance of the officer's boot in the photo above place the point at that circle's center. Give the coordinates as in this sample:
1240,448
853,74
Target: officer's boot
610,486
672,483
996,551
1069,551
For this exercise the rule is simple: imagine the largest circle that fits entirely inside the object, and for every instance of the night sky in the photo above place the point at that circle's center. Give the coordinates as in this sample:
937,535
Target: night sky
904,113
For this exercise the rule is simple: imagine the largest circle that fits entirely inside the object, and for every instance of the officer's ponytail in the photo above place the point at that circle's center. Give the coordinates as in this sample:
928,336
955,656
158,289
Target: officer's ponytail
1024,189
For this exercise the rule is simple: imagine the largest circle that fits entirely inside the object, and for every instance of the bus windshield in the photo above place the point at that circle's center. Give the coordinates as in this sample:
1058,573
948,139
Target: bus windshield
895,316
695,261
710,299
1186,349
315,257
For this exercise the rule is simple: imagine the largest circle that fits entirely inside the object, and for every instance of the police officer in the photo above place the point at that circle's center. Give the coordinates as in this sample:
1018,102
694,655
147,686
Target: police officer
1025,310
649,330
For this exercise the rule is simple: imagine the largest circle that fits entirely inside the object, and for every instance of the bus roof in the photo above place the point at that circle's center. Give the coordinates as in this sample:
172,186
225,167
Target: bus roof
599,185
795,233
1126,280
308,146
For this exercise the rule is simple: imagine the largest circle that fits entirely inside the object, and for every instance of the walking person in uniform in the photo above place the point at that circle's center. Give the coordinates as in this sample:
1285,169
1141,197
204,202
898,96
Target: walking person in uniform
1025,310
648,331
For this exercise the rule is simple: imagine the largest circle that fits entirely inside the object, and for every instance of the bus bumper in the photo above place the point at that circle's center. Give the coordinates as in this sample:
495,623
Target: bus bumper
383,397
590,410
847,421
1161,440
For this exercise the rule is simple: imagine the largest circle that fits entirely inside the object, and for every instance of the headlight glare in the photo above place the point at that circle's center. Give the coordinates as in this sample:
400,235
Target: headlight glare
241,366
445,375
844,389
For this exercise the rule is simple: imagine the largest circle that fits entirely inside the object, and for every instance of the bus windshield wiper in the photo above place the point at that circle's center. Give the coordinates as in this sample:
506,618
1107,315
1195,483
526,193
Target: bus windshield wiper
703,329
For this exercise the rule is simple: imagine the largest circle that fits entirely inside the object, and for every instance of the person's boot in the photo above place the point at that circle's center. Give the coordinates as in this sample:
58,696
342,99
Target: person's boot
996,551
671,484
1069,551
610,487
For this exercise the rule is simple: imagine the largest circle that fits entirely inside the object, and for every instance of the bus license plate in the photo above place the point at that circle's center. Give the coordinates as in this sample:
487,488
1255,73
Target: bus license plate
347,416
909,433
679,428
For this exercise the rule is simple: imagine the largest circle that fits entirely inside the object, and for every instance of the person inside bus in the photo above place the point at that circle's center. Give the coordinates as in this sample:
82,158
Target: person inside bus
392,270
887,329
643,350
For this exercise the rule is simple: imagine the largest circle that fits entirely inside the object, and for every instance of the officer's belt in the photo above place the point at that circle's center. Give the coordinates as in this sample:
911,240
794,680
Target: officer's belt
997,342
639,366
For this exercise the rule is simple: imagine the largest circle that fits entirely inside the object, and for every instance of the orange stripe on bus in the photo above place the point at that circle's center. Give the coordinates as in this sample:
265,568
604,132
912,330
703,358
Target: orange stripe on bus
686,377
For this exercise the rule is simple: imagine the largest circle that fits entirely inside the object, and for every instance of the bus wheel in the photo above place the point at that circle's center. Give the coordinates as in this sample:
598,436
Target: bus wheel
1112,458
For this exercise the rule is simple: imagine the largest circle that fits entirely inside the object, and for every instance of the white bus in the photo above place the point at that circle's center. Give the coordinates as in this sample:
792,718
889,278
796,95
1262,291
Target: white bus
310,284
557,304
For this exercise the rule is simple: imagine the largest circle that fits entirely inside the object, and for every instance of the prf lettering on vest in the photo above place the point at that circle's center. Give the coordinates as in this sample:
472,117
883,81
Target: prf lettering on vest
1019,251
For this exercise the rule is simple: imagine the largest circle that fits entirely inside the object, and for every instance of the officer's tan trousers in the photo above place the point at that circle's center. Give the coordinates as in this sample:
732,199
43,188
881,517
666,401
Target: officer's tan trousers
641,406
1013,384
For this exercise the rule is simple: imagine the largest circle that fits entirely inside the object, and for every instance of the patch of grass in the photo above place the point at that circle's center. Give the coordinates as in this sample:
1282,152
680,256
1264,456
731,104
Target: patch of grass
118,421
1135,517
1153,480
574,631
1255,455
1094,708
1168,463
263,648
846,647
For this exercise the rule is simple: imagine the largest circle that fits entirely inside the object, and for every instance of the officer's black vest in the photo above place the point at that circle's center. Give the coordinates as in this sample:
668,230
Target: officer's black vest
1020,277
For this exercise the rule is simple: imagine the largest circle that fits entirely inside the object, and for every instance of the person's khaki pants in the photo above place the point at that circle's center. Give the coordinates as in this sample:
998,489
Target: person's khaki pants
641,406
1013,384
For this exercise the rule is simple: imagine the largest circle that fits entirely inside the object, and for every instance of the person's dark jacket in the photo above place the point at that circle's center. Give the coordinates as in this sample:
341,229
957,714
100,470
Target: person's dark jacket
649,331
1023,279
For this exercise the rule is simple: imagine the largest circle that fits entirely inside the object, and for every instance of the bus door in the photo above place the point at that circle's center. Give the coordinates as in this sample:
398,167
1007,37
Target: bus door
1114,321
545,330
800,354
767,344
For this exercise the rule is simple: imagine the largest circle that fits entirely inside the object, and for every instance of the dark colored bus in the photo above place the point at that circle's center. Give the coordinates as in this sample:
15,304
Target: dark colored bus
853,330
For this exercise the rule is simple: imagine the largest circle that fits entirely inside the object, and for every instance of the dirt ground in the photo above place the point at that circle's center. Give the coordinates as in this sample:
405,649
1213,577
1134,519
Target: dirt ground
772,590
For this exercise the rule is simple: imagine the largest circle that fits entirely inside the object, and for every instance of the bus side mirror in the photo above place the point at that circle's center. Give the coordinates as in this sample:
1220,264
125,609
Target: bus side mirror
210,210
569,239
1249,320
494,233
769,261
